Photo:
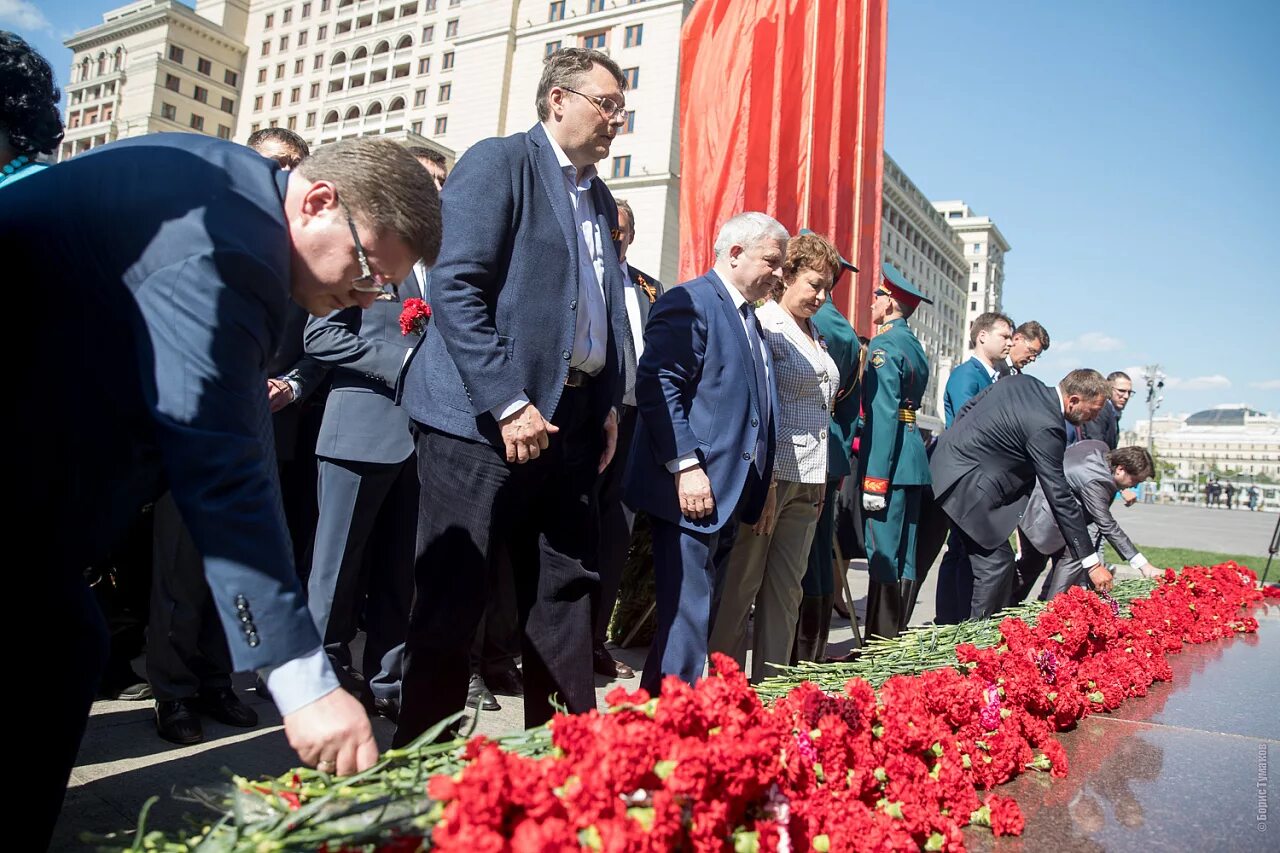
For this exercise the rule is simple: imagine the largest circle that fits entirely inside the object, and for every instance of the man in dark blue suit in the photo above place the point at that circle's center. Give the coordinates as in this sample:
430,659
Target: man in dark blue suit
702,459
173,258
515,392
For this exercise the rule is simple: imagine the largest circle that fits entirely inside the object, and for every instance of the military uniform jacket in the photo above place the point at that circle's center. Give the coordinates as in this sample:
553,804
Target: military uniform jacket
890,451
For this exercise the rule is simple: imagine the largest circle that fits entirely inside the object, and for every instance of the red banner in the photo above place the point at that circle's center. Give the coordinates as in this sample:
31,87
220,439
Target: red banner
782,111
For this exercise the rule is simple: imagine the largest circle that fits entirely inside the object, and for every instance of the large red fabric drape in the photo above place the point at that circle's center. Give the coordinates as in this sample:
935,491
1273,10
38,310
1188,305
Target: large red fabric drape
782,110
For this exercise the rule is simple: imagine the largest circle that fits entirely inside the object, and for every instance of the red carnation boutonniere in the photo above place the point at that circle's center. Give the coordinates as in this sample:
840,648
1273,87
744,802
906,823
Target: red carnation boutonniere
414,316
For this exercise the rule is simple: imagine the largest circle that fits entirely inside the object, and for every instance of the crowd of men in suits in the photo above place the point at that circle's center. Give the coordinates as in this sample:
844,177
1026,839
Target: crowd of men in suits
466,491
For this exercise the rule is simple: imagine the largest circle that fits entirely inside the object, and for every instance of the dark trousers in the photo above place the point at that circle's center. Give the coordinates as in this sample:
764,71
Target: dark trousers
688,574
186,646
1027,569
954,596
616,522
818,578
497,643
931,534
993,577
471,501
891,554
362,562
76,652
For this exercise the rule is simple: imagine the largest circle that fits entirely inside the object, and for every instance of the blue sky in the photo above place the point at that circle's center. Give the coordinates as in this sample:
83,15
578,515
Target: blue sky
1126,150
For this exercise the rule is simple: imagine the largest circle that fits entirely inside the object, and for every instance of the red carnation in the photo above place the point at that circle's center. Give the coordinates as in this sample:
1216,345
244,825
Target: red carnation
414,316
1006,817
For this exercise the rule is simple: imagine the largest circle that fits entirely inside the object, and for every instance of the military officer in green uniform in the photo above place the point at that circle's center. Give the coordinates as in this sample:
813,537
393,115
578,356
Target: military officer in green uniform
892,463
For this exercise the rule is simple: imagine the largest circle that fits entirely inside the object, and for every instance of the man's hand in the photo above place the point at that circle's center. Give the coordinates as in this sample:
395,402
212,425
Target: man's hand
872,503
1100,578
1129,496
610,440
694,491
279,394
526,434
768,515
332,734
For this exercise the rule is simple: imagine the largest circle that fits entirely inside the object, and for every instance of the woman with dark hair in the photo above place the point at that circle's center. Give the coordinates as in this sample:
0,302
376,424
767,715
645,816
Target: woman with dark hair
29,120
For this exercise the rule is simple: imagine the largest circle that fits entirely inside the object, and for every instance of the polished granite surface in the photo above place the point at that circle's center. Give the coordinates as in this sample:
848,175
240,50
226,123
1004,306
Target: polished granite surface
1176,770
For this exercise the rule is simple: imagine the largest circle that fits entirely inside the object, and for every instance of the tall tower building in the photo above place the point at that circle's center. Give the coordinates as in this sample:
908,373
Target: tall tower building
156,65
984,251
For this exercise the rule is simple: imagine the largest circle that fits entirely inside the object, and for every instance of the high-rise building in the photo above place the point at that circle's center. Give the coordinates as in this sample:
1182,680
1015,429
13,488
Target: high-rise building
984,251
917,240
156,65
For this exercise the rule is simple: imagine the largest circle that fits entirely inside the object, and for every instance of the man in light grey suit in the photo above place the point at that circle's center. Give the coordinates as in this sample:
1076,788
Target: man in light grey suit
616,519
368,492
1094,474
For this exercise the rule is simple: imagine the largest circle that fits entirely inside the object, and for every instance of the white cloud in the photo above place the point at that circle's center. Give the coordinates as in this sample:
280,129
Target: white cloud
1199,383
1266,385
1090,342
23,15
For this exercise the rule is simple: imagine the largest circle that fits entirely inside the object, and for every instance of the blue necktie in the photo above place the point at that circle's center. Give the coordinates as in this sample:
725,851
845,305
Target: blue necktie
762,383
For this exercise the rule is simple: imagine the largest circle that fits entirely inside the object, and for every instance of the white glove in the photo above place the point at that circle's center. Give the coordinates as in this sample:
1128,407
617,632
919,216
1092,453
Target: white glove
872,503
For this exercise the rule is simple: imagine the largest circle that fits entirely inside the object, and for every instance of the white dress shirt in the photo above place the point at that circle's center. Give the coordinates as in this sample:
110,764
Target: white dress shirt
631,298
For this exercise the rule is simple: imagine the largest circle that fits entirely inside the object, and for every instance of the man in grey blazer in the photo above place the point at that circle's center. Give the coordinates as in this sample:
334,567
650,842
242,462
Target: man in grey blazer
1095,473
985,465
368,493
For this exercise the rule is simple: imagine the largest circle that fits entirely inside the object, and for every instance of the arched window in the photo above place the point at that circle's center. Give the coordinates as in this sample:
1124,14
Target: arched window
338,58
331,117
352,113
396,104
405,41
102,62
359,53
375,109
381,47
118,61
84,69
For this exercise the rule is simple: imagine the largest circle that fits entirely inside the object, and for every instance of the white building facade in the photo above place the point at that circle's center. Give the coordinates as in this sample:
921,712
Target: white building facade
1231,442
984,251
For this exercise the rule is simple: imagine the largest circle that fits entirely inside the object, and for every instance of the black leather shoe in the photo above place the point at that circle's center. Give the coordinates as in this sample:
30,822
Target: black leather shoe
607,665
176,723
478,696
260,687
389,708
225,706
507,682
121,683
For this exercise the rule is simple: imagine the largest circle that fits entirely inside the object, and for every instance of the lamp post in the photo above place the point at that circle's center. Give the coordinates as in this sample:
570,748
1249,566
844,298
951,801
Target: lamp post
1155,383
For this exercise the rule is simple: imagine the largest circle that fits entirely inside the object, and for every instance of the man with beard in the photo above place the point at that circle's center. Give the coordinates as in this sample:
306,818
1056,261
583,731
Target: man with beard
985,466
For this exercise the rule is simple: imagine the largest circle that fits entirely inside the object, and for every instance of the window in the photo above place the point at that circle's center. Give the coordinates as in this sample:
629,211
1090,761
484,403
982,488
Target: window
446,92
419,97
555,12
451,29
442,125
622,166
595,6
429,6
197,122
977,247
266,47
204,66
424,65
270,21
314,91
230,77
399,71
594,40
175,54
630,125
276,98
169,111
632,76
228,105
453,4
280,71
428,34
306,10
975,266
295,94
446,61
291,123
257,103
302,38
975,287
311,120
416,127
299,65
324,5
224,132
171,82
635,35
262,75
284,42
322,32
552,47
287,16
973,306
317,62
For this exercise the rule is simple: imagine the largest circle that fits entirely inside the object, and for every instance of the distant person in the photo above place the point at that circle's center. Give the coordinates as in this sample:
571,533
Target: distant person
1253,499
1230,491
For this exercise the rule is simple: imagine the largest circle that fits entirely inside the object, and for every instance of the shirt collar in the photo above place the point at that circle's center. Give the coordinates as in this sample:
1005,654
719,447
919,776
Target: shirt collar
570,170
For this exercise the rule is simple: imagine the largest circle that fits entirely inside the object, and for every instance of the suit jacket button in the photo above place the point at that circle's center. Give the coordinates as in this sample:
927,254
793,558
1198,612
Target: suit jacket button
746,456
245,616
755,422
566,355
241,602
824,407
573,306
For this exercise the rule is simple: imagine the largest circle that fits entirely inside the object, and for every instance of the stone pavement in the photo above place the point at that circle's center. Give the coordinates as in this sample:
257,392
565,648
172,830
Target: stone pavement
122,761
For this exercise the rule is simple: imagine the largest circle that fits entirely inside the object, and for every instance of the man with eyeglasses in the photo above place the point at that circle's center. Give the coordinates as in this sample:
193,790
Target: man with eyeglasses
1106,427
1030,341
514,395
169,308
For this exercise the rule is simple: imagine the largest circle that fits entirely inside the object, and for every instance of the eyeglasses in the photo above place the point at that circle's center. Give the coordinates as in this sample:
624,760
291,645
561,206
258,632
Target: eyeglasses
1126,392
608,107
369,281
